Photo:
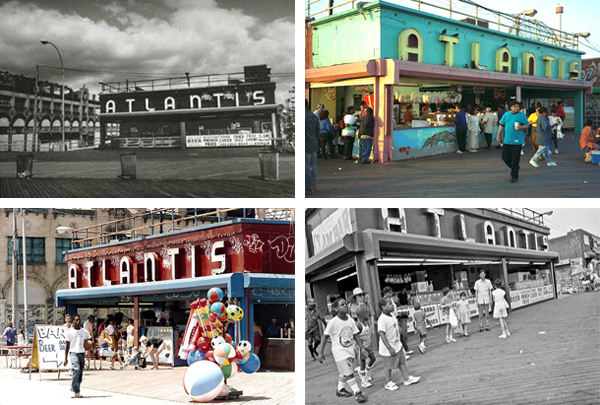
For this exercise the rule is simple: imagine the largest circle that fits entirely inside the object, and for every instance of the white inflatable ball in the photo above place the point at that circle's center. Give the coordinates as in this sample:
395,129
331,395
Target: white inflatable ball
349,119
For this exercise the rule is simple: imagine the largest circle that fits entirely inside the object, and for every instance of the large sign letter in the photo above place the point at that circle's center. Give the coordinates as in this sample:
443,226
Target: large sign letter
218,258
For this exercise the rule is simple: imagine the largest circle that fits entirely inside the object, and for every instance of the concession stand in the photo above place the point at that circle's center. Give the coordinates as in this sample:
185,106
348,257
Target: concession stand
424,250
250,260
393,57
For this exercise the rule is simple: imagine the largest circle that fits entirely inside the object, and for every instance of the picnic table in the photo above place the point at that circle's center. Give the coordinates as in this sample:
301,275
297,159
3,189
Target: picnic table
13,359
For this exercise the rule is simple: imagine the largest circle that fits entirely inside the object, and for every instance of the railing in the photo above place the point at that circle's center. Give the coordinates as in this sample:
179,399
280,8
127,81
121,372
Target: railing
517,24
525,214
158,142
124,229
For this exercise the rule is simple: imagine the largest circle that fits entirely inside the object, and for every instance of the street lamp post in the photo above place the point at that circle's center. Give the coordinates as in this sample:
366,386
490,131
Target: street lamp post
62,68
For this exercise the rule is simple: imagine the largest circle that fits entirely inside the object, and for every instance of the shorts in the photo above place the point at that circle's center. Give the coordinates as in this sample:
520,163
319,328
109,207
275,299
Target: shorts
345,367
392,362
361,356
107,353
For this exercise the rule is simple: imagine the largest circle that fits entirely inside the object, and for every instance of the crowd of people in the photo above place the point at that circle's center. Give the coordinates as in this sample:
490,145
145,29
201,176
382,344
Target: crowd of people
350,332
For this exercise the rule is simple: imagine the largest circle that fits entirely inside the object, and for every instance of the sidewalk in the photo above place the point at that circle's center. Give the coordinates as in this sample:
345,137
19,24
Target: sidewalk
131,387
551,357
468,175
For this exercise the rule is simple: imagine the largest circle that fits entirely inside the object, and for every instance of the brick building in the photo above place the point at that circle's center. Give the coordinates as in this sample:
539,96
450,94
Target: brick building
577,249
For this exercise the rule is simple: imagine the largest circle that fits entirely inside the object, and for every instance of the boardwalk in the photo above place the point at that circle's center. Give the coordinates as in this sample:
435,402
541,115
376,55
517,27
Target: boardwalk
202,173
468,175
260,388
552,357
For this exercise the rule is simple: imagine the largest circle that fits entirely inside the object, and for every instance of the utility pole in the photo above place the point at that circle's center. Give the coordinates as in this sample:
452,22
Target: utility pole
24,279
15,287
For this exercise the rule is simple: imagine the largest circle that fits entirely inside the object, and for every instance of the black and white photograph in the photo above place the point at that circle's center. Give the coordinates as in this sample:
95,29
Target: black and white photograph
452,305
130,99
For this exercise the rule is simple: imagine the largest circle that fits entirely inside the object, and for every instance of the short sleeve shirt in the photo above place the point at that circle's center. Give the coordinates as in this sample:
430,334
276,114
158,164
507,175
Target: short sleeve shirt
389,326
513,136
482,291
342,337
76,337
10,334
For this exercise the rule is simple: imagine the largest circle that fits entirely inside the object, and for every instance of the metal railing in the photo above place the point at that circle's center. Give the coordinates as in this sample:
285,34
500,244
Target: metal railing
517,24
525,214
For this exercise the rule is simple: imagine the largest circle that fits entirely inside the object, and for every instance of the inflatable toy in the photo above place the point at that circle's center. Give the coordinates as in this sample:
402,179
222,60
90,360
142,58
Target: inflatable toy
203,381
234,313
219,340
214,295
224,353
195,356
209,356
244,344
251,365
349,119
218,309
229,370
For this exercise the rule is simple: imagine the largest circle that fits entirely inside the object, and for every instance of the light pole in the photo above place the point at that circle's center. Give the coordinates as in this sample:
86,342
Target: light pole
62,68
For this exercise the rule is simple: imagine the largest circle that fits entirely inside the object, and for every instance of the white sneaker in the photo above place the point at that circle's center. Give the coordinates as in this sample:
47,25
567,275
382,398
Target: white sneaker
452,340
502,336
76,395
556,151
365,383
412,380
522,153
390,386
508,333
534,164
459,151
552,164
421,349
410,352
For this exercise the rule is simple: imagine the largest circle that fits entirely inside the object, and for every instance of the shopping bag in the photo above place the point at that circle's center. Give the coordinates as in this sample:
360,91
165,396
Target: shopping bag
453,319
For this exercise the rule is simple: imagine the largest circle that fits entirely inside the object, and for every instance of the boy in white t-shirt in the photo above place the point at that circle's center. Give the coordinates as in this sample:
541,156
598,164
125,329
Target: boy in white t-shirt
390,347
344,333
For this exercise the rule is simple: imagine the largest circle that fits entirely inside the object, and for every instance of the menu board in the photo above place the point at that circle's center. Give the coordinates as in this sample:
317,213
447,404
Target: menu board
49,347
225,140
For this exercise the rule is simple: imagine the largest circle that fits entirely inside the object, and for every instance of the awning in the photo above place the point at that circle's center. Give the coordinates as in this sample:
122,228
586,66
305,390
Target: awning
279,285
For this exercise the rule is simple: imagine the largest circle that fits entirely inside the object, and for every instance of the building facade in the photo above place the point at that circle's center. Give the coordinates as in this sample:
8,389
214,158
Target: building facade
424,250
392,56
207,111
21,131
590,71
579,253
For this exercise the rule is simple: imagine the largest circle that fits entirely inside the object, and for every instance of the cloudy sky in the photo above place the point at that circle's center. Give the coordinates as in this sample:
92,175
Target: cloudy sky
150,38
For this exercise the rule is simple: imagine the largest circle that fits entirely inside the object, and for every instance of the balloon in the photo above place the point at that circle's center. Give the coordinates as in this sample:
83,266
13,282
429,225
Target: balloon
203,344
349,119
203,381
217,341
209,356
238,354
245,356
229,370
195,356
245,344
218,309
214,295
234,312
251,365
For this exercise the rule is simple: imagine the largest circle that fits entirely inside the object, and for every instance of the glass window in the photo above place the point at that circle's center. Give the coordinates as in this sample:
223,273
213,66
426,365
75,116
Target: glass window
62,245
36,250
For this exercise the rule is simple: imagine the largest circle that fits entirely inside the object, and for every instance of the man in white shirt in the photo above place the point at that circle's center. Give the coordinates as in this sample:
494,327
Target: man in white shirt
483,294
75,351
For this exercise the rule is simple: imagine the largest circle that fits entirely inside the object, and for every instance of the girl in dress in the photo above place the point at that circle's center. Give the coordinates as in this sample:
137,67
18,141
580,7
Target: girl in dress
500,306
445,306
463,313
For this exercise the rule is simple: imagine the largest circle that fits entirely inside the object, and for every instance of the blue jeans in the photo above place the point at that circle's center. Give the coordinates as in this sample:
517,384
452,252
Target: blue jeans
365,149
77,363
542,150
310,171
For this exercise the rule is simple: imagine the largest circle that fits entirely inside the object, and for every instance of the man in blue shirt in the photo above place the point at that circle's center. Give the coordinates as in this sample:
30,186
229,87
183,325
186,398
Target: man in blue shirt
512,125
274,330
460,122
10,334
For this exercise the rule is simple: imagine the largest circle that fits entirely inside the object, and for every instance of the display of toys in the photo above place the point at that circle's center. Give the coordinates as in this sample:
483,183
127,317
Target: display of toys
203,381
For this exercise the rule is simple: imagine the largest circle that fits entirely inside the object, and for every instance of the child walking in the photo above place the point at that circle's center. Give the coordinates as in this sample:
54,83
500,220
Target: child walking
365,337
390,346
420,326
500,306
343,332
463,313
445,306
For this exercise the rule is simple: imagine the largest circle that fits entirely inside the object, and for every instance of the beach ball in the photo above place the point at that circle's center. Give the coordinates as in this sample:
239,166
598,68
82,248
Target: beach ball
195,356
214,295
349,119
203,381
251,365
218,309
234,312
229,370
223,353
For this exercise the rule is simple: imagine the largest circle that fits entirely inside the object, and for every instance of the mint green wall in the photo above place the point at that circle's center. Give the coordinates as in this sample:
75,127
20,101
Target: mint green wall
346,38
351,37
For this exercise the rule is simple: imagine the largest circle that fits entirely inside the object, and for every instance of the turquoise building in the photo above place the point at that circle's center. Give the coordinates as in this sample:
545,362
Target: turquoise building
392,56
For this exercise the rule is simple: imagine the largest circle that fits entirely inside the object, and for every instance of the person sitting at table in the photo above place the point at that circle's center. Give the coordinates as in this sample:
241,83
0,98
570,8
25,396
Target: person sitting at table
274,330
10,333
